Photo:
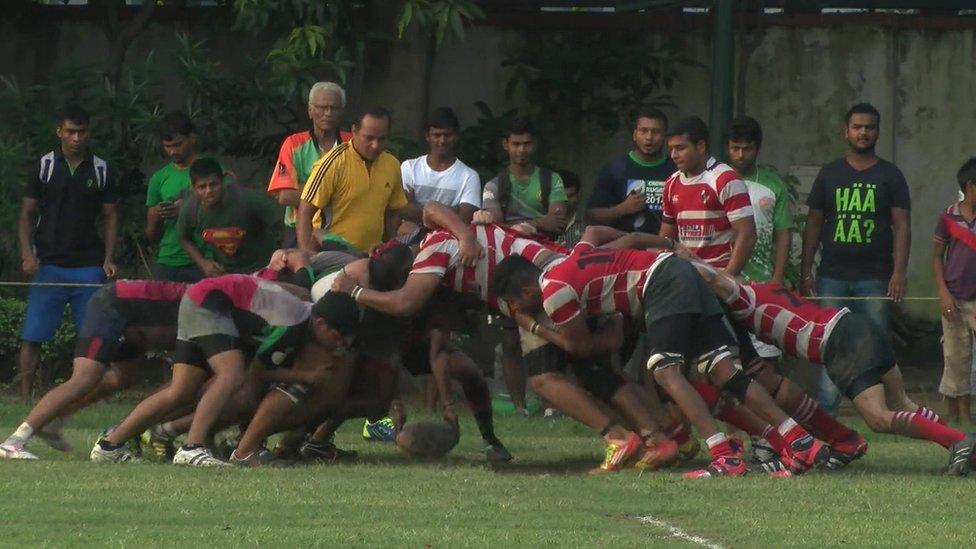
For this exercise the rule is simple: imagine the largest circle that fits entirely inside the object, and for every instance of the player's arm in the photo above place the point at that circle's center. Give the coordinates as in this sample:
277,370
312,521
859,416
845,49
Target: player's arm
668,230
466,211
721,283
437,215
574,336
901,227
745,241
811,241
608,237
405,301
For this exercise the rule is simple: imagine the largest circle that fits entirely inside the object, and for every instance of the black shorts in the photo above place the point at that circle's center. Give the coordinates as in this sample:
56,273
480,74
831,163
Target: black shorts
857,355
416,357
595,375
689,336
101,336
197,352
674,288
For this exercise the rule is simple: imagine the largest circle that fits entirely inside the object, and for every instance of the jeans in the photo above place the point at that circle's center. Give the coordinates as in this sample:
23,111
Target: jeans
877,310
46,303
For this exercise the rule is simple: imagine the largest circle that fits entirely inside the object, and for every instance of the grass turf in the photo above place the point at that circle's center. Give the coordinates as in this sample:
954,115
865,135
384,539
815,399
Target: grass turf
892,497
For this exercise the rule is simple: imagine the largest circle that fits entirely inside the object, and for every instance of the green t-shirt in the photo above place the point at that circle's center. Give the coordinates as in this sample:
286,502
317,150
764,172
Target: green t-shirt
525,198
772,207
242,231
169,184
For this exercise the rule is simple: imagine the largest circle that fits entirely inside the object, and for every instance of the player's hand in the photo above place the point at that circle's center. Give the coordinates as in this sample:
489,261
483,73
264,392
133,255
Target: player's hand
683,251
30,265
343,283
550,223
483,217
278,260
469,251
634,203
110,268
523,320
407,227
897,286
450,414
948,306
523,228
808,286
212,268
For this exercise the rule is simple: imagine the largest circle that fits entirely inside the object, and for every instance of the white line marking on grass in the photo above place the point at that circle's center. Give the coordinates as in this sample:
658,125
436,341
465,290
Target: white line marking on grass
676,532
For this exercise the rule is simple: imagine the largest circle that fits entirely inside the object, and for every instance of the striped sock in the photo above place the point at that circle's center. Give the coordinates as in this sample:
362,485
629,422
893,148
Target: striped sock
809,414
913,425
930,414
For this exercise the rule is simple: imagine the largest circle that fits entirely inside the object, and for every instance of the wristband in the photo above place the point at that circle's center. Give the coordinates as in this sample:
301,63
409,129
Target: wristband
357,289
534,329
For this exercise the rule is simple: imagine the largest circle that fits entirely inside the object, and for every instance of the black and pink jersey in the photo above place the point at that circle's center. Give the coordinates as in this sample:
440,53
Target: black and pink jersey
783,318
439,255
598,282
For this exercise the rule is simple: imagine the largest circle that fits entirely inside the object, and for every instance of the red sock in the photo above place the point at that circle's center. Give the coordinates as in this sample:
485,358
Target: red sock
731,416
775,440
810,414
915,425
709,393
677,433
930,414
792,431
719,446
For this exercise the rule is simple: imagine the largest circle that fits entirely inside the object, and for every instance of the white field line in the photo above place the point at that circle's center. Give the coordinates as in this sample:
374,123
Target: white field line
678,533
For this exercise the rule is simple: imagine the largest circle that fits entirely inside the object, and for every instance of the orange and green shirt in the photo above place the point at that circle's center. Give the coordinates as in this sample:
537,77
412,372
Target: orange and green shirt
298,154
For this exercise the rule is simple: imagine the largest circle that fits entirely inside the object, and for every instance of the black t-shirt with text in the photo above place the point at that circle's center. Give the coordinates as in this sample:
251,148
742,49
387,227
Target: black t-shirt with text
624,175
856,240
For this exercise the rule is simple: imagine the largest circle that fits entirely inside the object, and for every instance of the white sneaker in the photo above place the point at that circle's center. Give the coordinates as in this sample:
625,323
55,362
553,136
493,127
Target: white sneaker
119,455
53,435
15,450
198,457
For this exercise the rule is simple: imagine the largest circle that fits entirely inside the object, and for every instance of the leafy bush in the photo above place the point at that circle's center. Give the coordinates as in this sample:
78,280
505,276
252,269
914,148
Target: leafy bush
59,351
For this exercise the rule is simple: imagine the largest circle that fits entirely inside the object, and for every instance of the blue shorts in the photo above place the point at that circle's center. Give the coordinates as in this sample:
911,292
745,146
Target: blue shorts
45,304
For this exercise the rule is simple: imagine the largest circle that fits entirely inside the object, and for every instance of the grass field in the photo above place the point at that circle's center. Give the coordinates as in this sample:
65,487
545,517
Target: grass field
892,497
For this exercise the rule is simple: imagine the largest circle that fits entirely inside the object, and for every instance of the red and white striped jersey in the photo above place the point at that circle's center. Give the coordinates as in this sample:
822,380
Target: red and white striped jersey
703,208
783,318
598,282
438,255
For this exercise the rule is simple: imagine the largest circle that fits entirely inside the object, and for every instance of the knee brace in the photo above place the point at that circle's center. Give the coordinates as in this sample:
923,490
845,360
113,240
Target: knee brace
295,392
737,385
708,360
660,361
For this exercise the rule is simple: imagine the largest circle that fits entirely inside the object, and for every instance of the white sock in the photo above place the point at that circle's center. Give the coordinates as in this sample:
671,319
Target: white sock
23,433
715,440
786,426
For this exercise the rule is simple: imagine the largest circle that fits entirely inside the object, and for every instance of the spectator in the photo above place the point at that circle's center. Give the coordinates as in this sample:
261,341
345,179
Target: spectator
772,206
300,151
360,181
59,242
628,190
524,192
706,205
439,175
574,225
239,226
954,262
859,218
167,189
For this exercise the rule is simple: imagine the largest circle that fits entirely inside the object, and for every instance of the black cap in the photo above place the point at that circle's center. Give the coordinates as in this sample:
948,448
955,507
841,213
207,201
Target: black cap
339,311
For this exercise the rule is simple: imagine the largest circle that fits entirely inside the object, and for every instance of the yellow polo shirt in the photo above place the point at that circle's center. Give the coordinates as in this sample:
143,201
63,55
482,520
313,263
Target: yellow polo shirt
358,198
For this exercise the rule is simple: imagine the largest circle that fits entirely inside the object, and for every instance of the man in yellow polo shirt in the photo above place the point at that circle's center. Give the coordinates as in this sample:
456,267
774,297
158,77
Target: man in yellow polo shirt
360,182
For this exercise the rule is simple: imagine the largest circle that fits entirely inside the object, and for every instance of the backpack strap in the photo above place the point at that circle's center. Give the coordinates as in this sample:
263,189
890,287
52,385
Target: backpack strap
545,188
101,172
46,167
504,181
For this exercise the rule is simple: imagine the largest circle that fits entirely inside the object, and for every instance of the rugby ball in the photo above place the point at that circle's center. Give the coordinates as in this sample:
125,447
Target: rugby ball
427,439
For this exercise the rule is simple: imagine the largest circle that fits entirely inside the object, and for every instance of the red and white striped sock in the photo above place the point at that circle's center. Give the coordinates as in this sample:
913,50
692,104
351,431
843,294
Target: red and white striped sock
812,416
913,425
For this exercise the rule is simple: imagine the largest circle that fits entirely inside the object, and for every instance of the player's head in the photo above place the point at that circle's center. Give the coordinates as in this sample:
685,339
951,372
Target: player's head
370,132
74,128
861,127
649,125
207,178
178,136
688,143
442,131
334,320
742,141
519,142
571,182
389,266
326,102
966,176
517,283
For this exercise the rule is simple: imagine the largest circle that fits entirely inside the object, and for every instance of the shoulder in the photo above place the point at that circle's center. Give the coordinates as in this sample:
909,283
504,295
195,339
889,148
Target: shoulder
388,159
332,159
465,170
890,168
719,174
296,140
411,163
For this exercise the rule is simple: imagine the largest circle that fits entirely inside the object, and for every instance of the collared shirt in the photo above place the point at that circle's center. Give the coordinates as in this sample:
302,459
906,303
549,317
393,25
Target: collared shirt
959,238
69,203
357,198
298,154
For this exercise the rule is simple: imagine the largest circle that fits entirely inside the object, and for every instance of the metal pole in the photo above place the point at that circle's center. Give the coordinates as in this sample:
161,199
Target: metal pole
722,76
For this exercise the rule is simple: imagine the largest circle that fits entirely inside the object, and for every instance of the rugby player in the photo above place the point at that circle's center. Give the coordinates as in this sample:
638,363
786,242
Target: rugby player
124,319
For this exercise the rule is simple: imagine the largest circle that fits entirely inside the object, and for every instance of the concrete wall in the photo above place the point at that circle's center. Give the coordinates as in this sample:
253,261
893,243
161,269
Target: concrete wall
797,82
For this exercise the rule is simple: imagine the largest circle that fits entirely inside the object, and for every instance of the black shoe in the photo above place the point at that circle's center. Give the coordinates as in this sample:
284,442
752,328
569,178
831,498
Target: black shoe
959,454
495,452
325,451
